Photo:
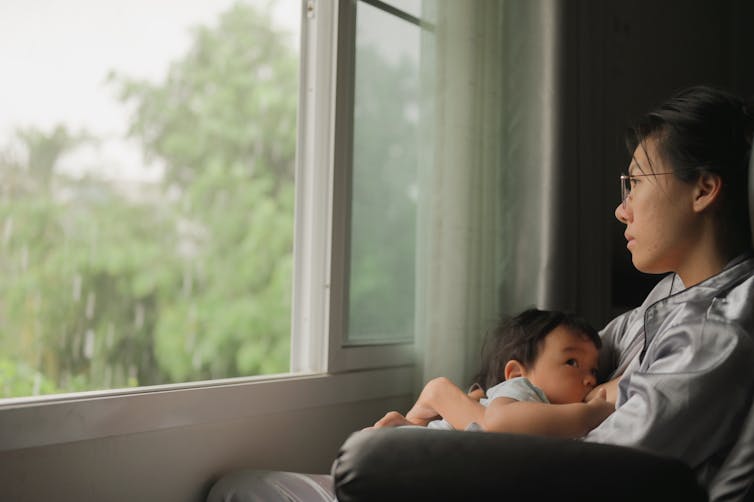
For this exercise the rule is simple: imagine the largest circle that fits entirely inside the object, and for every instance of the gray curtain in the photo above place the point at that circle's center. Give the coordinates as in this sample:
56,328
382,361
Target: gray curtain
488,195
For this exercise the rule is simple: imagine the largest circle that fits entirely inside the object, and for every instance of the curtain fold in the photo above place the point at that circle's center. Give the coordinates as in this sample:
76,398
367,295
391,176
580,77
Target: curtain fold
487,195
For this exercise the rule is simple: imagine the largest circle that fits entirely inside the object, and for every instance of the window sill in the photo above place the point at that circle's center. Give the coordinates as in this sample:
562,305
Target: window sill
48,420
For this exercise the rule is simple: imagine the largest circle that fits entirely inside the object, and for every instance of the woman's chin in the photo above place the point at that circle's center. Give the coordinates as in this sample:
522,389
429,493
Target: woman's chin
640,263
648,267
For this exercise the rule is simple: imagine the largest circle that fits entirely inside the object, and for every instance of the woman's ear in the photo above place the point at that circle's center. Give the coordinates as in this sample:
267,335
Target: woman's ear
706,191
514,369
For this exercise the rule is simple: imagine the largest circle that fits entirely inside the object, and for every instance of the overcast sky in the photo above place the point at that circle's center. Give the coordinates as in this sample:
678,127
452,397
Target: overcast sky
55,56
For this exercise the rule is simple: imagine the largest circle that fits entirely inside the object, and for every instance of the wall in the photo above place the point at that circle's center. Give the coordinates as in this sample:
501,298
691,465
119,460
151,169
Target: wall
623,58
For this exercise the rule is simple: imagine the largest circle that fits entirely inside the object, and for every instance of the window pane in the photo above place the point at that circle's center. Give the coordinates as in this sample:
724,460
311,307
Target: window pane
146,191
383,219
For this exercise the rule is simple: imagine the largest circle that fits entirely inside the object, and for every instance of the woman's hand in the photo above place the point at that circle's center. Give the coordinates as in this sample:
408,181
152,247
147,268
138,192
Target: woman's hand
599,407
610,391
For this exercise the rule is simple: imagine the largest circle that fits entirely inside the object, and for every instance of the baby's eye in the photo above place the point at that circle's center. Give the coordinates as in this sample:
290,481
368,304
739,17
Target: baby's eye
594,372
572,362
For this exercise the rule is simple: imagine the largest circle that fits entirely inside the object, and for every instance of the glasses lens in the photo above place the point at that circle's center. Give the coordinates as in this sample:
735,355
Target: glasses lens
625,187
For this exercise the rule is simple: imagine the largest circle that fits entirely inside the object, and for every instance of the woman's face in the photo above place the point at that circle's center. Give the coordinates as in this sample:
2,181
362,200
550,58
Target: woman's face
658,213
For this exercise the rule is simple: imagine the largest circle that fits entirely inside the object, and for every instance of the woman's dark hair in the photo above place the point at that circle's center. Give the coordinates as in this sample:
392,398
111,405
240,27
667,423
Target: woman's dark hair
705,129
520,338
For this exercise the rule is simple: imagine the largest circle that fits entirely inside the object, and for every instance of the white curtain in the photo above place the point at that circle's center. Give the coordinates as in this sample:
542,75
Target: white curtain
487,176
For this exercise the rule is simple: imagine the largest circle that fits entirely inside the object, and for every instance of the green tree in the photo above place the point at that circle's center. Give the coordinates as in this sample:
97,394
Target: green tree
107,285
75,257
223,123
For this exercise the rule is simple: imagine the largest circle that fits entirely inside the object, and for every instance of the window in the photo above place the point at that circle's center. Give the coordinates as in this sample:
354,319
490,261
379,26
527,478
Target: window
147,206
147,157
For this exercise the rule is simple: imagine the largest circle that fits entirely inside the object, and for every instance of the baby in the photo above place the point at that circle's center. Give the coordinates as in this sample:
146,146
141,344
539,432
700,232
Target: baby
537,369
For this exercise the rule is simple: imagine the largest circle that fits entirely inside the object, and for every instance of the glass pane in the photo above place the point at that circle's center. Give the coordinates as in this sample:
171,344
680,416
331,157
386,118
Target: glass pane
146,191
383,219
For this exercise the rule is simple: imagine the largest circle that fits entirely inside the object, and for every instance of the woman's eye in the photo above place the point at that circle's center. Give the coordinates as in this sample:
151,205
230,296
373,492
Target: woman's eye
633,181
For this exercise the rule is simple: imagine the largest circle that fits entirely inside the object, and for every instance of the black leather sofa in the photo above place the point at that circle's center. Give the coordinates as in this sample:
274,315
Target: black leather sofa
414,464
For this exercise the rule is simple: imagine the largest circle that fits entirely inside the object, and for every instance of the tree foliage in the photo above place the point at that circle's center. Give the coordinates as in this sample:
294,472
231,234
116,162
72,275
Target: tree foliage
188,279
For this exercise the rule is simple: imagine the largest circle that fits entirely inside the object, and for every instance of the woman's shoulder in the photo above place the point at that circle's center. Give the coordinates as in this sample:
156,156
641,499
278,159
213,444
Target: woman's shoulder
709,329
702,345
723,300
735,307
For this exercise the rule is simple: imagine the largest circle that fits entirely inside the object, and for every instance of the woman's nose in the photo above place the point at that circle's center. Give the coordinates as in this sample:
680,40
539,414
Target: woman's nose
621,214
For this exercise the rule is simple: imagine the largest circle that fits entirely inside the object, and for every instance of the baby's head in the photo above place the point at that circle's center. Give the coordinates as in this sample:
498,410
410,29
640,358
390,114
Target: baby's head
558,352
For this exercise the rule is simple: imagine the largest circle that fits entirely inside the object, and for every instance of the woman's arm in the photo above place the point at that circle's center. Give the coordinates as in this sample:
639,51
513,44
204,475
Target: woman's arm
687,397
561,420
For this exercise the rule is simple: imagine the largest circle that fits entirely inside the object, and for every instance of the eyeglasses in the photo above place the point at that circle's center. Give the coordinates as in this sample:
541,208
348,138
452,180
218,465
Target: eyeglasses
625,184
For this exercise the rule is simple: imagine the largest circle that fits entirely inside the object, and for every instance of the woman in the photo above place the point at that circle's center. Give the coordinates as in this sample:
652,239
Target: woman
682,364
686,355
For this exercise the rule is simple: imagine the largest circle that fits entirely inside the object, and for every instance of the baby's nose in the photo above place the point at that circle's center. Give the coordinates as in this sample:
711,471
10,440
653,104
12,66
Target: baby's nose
590,380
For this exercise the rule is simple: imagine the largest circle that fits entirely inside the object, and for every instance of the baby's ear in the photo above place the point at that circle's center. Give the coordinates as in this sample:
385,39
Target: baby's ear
514,369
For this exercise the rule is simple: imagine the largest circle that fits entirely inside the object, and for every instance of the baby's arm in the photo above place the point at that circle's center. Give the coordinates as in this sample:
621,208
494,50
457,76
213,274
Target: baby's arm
442,397
563,420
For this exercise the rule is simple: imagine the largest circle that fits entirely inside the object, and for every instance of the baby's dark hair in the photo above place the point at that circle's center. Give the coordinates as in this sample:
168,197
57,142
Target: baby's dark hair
520,337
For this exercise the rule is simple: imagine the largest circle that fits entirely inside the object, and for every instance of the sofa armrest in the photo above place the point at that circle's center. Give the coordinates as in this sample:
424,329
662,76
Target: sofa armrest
407,463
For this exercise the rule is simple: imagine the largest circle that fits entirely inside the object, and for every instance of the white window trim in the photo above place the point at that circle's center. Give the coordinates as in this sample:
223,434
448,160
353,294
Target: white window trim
313,229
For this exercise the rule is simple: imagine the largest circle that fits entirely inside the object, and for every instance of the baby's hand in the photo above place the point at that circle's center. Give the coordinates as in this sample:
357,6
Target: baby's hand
391,419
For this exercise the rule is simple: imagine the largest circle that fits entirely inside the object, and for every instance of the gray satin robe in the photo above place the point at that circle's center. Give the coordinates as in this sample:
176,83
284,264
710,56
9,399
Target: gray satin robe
687,359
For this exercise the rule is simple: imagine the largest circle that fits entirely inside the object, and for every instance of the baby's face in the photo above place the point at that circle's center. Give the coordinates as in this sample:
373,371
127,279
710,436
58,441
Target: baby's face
566,368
